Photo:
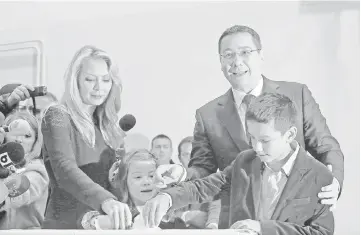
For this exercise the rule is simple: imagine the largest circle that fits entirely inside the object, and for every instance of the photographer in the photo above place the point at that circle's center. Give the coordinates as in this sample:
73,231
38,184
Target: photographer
8,101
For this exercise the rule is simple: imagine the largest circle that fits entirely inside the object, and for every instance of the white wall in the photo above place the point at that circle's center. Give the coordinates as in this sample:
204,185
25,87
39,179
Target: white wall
168,58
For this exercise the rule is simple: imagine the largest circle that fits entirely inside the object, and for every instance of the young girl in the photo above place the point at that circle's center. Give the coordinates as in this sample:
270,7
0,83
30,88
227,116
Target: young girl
27,210
133,184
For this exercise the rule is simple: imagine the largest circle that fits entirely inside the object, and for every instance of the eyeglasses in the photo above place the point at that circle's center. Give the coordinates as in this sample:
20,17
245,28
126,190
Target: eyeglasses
245,54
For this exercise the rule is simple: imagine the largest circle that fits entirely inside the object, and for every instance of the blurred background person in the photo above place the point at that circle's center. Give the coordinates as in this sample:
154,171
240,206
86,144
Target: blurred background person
27,210
81,134
38,107
162,148
8,101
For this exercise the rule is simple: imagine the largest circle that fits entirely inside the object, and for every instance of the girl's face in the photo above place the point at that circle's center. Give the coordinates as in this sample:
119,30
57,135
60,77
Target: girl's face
22,133
140,181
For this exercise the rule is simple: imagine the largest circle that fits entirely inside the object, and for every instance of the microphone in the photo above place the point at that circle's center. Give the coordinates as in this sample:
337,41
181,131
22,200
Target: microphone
12,158
127,122
12,154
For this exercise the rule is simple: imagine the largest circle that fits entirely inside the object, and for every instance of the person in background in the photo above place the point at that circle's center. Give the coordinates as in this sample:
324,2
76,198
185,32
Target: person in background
9,101
273,186
81,136
38,107
162,148
220,133
197,216
27,210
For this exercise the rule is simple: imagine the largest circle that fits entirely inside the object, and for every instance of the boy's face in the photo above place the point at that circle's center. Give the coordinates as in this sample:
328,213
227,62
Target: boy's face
140,181
269,143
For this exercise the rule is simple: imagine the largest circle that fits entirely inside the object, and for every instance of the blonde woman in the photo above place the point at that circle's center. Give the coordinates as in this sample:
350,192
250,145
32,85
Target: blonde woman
27,210
80,138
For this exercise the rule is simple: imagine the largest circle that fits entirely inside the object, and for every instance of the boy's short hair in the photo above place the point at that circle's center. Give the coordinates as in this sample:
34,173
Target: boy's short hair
273,106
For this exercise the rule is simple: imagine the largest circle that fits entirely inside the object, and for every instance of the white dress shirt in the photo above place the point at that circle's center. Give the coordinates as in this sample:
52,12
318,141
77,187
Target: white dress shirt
238,98
272,185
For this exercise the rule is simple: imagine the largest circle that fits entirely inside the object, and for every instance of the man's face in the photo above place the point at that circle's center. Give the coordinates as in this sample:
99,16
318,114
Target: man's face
185,153
243,67
162,149
269,144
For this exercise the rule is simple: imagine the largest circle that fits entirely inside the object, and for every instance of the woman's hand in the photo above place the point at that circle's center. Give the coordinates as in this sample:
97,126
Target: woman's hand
119,212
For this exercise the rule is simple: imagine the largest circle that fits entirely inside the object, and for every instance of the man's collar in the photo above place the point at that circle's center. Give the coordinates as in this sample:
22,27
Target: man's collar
239,95
287,167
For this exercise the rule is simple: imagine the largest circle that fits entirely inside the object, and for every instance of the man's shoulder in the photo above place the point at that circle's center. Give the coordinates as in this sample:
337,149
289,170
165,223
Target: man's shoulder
210,105
288,84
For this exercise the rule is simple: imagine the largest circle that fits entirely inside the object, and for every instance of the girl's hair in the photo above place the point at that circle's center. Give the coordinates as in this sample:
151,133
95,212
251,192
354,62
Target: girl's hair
106,113
33,122
120,180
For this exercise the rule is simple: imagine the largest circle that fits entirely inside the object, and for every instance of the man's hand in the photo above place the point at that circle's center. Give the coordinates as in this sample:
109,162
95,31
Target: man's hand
247,224
20,93
329,193
119,212
169,173
155,209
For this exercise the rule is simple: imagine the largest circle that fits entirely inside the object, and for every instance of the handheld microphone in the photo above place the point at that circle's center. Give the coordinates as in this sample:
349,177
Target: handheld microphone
12,154
12,157
127,122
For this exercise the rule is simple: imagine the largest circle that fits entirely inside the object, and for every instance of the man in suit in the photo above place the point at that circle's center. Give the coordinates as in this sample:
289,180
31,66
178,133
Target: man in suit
273,187
219,133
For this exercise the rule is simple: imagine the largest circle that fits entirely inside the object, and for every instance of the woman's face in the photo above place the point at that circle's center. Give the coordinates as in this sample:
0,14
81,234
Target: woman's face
140,181
21,132
94,82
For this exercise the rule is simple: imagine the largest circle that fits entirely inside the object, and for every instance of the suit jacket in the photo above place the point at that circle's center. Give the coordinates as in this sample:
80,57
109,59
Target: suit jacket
298,210
219,135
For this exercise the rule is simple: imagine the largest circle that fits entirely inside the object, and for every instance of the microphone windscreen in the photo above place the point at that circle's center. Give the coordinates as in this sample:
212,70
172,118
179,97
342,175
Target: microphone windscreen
12,153
127,122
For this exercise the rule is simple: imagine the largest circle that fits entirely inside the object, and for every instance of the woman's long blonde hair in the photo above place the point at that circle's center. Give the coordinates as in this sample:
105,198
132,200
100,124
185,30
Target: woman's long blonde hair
34,124
106,112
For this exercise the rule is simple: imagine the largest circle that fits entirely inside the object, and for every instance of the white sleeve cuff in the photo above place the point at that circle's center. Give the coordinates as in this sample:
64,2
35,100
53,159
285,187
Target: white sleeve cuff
170,199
